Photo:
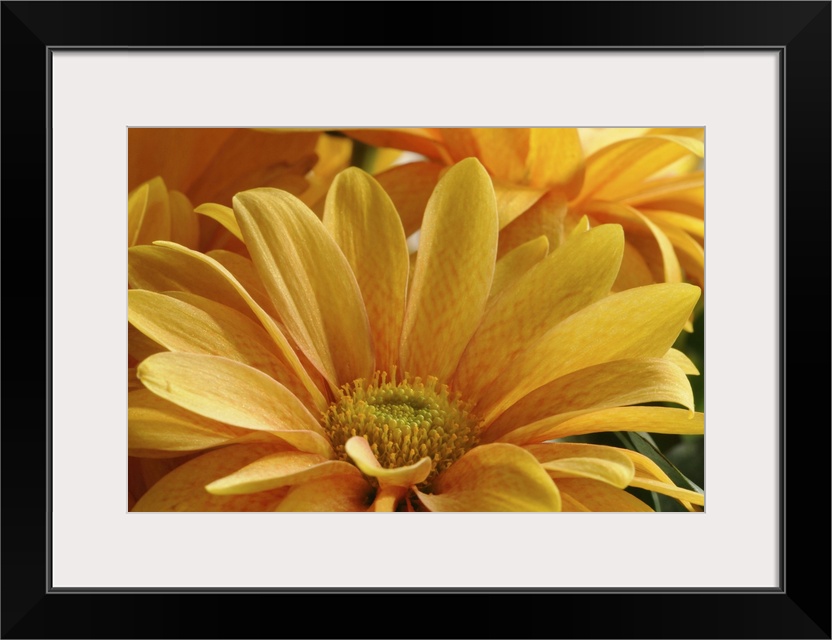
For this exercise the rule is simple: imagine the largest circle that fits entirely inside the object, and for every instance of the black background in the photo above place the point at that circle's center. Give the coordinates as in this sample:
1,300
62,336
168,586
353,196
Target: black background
799,609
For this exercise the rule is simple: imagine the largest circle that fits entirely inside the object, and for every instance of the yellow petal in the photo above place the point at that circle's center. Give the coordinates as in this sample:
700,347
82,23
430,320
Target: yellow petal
309,281
148,213
426,142
647,470
139,346
514,200
226,391
453,274
348,492
634,270
556,160
549,216
184,225
281,469
243,271
682,361
515,264
610,384
410,187
565,460
592,495
682,189
363,221
359,450
157,424
613,170
637,323
493,477
686,495
222,214
567,280
183,489
650,419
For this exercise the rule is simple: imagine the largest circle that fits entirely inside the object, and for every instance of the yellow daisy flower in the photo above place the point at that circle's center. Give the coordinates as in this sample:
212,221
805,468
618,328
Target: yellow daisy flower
647,180
327,375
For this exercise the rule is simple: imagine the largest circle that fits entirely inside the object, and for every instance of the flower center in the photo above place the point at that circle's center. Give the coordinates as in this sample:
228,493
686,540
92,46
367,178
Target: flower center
403,421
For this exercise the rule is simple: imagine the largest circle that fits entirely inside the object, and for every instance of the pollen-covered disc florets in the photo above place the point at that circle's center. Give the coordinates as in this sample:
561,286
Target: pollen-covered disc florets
403,421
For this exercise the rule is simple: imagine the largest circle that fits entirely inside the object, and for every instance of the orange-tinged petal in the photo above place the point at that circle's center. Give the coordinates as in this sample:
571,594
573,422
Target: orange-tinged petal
646,194
637,323
158,424
226,391
359,450
183,489
148,213
309,281
243,271
493,477
347,492
426,142
171,267
281,469
650,419
556,160
410,187
514,200
503,152
610,384
515,264
593,495
596,462
139,346
567,280
363,221
453,274
613,170
184,224
222,214
549,216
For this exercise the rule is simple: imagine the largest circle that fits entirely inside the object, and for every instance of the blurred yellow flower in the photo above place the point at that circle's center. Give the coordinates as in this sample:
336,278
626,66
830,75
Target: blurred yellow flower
546,180
324,375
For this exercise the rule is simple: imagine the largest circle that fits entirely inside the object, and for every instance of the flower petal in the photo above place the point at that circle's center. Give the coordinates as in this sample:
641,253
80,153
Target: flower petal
453,272
650,419
148,213
591,495
427,142
682,361
647,470
549,216
281,469
226,391
493,477
359,450
556,160
514,200
572,459
637,323
170,267
567,280
183,489
184,223
222,214
610,384
348,492
515,264
309,281
363,221
410,187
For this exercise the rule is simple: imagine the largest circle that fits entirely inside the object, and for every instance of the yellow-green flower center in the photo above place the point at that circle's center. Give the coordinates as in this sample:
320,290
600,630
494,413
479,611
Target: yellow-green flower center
403,421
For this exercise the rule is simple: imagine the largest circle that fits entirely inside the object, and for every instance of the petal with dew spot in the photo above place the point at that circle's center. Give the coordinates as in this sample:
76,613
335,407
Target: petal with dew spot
222,214
309,281
453,272
183,489
359,450
493,477
226,391
515,264
569,279
364,223
650,419
593,495
204,276
637,323
410,187
596,462
610,384
337,493
281,469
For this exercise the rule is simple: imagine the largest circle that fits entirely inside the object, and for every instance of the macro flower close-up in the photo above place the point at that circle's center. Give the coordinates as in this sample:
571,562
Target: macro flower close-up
324,364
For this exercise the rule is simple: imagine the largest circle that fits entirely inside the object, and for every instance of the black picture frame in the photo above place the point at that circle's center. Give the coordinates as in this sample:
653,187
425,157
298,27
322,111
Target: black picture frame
799,608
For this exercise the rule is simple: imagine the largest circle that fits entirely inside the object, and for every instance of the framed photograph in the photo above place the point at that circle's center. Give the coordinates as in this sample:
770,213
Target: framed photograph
743,87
